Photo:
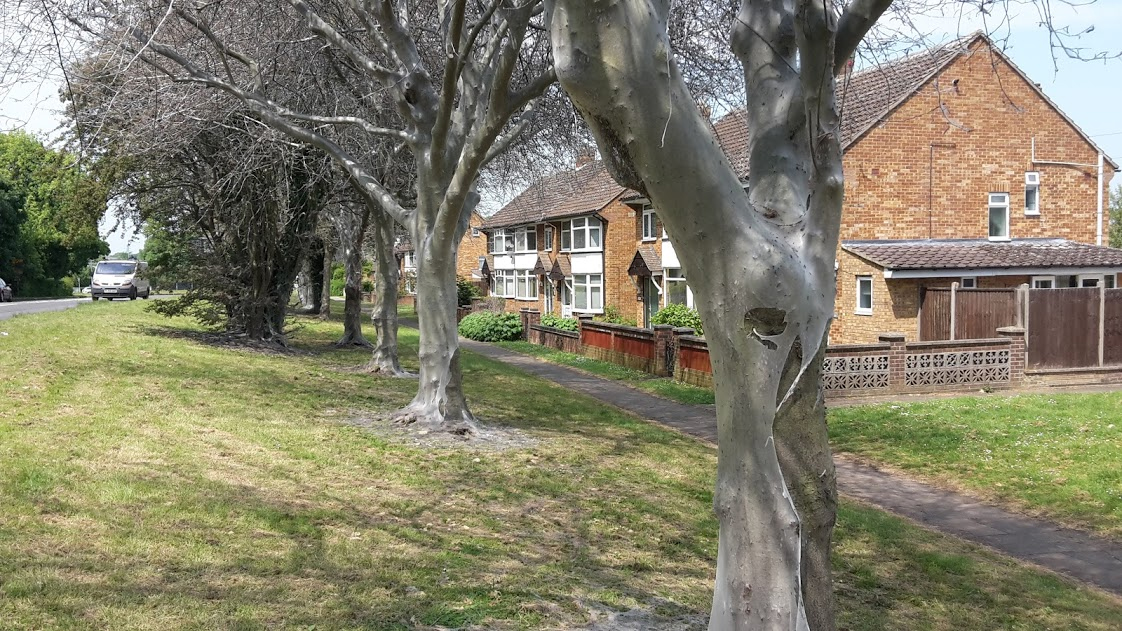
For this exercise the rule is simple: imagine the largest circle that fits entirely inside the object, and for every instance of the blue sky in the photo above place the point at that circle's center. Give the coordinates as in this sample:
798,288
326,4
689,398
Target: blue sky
1090,93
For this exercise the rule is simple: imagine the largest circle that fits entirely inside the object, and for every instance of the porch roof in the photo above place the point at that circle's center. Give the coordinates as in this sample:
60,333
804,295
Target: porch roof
934,257
646,262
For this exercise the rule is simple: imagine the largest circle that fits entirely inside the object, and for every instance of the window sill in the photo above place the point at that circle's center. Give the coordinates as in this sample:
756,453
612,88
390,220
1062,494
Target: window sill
589,311
583,251
1000,239
863,312
527,299
649,239
1029,213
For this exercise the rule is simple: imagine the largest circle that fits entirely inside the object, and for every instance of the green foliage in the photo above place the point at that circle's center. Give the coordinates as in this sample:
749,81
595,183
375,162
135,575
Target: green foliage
338,279
557,322
466,291
487,326
49,209
191,305
613,316
678,316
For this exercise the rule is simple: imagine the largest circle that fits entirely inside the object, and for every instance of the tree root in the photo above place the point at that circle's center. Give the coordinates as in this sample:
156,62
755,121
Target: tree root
352,340
428,419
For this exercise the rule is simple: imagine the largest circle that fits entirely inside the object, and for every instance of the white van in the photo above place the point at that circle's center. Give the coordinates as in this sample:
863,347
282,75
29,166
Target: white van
120,279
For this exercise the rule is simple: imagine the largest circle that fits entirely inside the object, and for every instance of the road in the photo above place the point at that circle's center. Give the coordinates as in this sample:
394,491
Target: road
9,309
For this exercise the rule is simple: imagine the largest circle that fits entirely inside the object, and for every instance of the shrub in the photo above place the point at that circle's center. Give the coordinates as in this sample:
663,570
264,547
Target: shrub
557,322
338,279
678,316
613,316
465,291
487,326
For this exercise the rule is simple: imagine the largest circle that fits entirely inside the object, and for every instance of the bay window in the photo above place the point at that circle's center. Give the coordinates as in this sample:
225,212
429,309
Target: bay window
526,240
581,234
500,241
588,292
527,284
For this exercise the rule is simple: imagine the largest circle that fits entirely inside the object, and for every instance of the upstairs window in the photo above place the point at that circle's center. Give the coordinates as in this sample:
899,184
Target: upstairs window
581,234
999,216
501,241
526,240
1032,193
649,233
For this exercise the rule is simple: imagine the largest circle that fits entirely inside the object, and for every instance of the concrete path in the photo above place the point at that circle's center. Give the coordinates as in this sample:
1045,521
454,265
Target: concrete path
1074,553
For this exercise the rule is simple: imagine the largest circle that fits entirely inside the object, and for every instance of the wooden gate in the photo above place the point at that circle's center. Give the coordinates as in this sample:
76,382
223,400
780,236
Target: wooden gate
1074,328
976,313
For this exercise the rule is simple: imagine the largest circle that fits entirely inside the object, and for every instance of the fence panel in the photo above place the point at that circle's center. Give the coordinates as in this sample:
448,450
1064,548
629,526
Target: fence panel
979,313
1112,341
1063,328
935,314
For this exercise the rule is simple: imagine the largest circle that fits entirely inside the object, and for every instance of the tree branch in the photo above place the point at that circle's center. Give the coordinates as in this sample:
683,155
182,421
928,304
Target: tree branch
855,22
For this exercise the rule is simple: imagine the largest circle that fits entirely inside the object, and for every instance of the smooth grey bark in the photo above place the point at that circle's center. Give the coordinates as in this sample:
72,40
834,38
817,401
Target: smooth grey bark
384,358
350,225
767,299
327,258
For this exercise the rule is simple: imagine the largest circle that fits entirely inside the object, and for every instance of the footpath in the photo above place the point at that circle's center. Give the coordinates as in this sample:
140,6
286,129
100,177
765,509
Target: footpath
1074,553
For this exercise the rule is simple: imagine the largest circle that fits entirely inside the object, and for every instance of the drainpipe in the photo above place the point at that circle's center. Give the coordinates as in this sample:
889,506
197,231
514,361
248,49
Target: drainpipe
1099,238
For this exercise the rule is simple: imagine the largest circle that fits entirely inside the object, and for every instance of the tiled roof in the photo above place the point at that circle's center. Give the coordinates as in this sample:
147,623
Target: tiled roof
564,194
646,262
982,254
563,266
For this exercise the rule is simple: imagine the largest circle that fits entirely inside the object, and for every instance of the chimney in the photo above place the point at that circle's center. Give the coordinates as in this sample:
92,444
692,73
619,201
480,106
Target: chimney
585,156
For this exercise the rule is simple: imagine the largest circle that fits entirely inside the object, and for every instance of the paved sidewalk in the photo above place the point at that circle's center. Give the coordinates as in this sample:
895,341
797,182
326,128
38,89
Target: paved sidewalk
1076,554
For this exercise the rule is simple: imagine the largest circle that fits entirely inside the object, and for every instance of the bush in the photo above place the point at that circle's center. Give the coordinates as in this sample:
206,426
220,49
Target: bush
466,291
338,279
613,316
487,326
557,322
678,316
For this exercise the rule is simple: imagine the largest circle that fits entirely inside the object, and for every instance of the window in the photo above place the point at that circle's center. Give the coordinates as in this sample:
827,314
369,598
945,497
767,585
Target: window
649,233
1090,280
500,241
1108,281
1032,193
502,283
410,260
676,290
474,233
968,282
999,216
1043,282
864,295
588,292
526,240
581,234
527,285
548,239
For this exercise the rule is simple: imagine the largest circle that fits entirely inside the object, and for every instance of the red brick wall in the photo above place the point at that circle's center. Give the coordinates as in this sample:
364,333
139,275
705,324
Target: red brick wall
990,118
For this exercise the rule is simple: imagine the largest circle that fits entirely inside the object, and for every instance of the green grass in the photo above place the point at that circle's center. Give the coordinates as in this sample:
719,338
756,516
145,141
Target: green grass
1057,455
151,480
662,386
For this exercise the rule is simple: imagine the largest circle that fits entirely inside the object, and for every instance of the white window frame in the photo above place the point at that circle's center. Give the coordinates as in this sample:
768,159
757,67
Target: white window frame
585,226
503,238
1095,277
998,201
503,283
675,275
586,281
548,240
858,309
649,223
1051,280
968,282
409,260
1032,184
474,232
522,238
1110,281
526,285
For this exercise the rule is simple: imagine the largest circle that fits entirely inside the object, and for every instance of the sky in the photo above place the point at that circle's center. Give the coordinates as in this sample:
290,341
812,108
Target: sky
1089,92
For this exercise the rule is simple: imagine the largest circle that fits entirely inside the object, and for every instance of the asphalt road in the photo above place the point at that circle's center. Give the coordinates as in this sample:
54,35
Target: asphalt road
9,309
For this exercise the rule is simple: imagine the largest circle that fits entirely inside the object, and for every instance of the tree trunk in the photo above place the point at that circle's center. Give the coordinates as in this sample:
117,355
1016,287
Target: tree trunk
767,294
440,404
384,359
351,228
325,295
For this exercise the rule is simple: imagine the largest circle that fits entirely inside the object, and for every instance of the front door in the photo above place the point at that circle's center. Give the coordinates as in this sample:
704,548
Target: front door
549,290
651,299
566,299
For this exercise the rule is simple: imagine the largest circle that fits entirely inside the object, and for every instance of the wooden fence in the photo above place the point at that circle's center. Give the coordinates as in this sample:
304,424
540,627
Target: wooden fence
1074,328
966,314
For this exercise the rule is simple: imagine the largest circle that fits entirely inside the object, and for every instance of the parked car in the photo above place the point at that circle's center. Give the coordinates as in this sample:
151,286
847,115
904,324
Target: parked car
5,291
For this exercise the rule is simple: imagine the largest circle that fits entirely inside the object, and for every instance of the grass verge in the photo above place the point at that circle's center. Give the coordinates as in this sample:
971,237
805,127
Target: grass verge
1055,455
154,481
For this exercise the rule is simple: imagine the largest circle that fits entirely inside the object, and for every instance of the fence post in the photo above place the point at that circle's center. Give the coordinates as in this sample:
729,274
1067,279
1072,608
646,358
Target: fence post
954,308
1018,356
524,316
678,333
664,350
582,320
897,358
1102,321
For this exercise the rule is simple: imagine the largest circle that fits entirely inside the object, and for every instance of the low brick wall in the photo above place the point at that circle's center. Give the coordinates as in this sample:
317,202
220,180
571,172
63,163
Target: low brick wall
692,365
857,367
626,346
567,341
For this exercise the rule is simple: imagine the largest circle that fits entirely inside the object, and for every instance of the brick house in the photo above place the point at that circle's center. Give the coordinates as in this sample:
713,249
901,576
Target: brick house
957,169
469,258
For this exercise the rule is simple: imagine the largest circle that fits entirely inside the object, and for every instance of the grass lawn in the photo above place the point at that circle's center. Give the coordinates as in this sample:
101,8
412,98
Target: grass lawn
662,386
1058,455
151,480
